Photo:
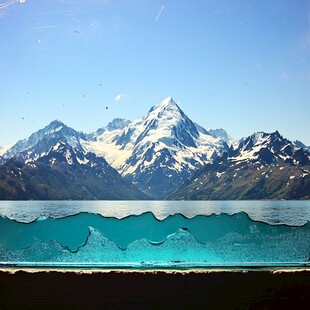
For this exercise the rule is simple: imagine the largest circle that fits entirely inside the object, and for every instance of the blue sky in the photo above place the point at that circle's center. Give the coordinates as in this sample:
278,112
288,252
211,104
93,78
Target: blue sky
241,65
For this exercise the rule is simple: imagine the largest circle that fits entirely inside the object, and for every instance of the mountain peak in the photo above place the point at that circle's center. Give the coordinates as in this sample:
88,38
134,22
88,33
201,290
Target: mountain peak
40,141
166,101
56,124
57,121
117,123
269,148
167,104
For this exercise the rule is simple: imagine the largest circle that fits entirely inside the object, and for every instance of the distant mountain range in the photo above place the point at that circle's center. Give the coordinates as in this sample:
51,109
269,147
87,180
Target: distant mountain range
263,166
158,152
163,155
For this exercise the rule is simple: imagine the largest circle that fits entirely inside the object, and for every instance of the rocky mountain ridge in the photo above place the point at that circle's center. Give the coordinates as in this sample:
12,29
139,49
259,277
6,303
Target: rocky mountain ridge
159,151
263,166
163,154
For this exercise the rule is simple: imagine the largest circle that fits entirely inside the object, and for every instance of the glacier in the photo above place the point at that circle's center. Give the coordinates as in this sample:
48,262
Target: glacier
156,152
165,138
143,241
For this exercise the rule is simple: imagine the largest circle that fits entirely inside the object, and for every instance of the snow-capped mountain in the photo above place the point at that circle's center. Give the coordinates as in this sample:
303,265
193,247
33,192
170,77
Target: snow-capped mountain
63,153
116,124
299,144
52,178
269,149
157,154
55,158
40,142
4,149
263,166
222,134
159,151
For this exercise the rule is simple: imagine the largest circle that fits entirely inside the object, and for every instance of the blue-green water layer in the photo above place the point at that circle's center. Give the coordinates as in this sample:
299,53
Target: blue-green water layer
294,213
142,240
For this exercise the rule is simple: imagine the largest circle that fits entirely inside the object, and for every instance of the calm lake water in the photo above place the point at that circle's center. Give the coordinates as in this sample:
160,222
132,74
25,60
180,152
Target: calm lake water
293,213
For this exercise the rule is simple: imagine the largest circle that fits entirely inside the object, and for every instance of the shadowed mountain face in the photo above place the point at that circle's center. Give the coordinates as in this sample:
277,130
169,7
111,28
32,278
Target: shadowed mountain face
52,164
263,166
52,178
159,151
164,154
156,153
41,141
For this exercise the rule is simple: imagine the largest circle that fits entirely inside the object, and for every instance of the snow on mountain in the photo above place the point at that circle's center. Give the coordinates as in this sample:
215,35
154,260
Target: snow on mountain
117,123
164,139
64,153
64,173
156,153
299,144
269,148
223,135
56,166
40,142
165,126
4,149
263,166
160,151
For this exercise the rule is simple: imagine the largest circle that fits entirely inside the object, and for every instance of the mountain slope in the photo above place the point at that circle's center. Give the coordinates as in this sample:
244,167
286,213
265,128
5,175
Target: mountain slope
40,142
159,151
263,166
53,165
299,144
64,174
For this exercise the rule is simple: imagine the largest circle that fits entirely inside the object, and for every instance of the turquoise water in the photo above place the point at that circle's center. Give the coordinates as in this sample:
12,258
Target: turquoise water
155,234
273,212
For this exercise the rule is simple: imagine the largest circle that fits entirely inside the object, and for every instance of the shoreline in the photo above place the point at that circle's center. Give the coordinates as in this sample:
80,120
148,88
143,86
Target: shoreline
195,288
79,270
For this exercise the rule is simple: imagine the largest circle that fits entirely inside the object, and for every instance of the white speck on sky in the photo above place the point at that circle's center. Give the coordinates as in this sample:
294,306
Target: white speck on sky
119,97
159,13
